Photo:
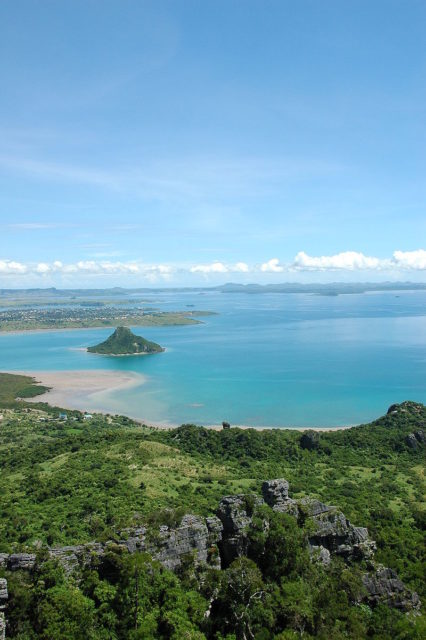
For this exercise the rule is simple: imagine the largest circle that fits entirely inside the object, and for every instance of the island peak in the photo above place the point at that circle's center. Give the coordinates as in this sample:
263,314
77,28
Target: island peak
124,342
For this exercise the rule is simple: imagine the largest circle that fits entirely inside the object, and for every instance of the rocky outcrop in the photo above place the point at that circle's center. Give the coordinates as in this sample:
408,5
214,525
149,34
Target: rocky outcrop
74,557
275,494
16,561
310,440
415,440
3,602
3,592
217,540
333,531
2,626
384,586
420,436
233,513
195,537
192,538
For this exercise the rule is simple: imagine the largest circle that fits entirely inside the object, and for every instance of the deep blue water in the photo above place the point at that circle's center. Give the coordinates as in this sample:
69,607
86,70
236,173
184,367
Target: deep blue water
268,359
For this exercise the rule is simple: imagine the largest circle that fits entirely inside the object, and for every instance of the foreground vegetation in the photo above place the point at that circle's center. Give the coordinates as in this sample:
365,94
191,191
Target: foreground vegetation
75,480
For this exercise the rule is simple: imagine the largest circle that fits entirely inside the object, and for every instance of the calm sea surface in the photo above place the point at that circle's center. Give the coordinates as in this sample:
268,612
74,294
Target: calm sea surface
269,359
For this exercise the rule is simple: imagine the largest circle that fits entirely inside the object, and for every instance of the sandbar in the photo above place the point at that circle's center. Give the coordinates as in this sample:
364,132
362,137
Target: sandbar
86,390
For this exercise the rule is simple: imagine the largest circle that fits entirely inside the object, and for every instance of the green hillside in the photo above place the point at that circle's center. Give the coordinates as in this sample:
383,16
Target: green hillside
69,481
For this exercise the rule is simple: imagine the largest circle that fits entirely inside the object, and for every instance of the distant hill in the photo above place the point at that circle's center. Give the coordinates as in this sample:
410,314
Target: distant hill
124,342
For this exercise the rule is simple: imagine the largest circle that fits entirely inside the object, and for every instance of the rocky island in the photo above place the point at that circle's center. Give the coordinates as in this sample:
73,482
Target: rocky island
123,342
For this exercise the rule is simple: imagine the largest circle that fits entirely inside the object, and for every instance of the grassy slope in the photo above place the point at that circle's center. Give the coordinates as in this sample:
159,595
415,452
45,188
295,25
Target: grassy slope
73,481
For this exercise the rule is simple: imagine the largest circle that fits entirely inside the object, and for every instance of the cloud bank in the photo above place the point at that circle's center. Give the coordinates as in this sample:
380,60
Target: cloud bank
347,261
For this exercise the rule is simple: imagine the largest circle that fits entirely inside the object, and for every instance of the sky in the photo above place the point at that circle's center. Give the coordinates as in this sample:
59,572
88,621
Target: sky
192,142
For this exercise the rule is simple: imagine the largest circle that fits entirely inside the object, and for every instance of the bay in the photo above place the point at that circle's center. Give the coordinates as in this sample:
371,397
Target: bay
276,360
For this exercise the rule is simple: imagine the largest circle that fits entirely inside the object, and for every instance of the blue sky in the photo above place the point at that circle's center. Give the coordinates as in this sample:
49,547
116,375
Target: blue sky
189,142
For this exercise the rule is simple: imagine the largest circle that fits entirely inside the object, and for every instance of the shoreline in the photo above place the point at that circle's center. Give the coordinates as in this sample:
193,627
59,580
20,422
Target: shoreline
88,390
11,332
83,390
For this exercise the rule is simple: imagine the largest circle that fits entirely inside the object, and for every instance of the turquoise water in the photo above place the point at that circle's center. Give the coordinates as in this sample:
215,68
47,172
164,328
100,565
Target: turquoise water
270,359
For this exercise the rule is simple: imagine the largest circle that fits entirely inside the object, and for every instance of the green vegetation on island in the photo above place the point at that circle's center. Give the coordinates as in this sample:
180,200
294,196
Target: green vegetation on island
68,480
123,342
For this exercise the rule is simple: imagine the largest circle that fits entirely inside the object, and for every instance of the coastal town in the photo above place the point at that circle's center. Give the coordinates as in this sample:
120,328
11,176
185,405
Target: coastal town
80,317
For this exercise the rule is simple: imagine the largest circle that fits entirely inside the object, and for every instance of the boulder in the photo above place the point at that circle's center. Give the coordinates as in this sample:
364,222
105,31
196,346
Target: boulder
275,494
411,441
310,440
3,593
420,436
320,554
384,586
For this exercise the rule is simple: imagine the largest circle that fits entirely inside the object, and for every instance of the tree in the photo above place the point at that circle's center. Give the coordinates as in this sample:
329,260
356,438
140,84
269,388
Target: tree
241,594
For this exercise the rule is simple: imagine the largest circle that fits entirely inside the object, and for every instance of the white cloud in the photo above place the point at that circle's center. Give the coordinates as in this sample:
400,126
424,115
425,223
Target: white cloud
410,259
10,267
272,266
220,267
347,260
350,261
242,267
214,267
355,261
43,267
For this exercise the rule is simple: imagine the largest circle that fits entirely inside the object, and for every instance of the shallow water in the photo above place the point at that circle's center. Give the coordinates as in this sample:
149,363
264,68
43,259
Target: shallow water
265,360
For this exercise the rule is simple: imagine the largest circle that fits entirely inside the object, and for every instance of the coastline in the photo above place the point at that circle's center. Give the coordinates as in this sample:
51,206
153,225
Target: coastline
88,390
83,390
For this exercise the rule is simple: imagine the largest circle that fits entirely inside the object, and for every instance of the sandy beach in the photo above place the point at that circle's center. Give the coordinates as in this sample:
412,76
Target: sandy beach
83,390
90,391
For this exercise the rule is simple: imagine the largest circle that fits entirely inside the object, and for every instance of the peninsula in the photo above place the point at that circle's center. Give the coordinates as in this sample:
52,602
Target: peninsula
123,342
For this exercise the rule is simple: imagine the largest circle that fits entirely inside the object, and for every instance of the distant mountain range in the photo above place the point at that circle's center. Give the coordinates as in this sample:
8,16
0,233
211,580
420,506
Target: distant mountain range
333,288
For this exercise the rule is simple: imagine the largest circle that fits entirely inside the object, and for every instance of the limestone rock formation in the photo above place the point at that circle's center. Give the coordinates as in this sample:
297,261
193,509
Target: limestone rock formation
196,537
3,592
217,540
17,561
420,436
334,532
3,602
384,586
73,557
235,514
415,440
275,494
310,440
2,626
